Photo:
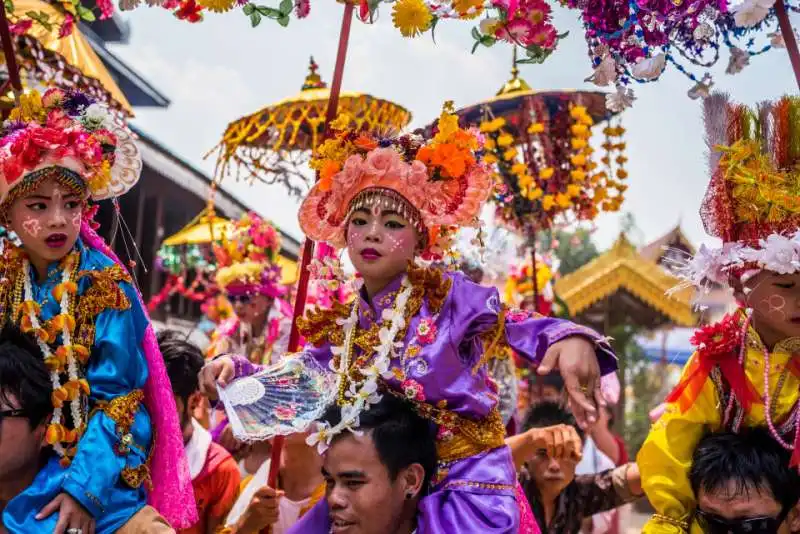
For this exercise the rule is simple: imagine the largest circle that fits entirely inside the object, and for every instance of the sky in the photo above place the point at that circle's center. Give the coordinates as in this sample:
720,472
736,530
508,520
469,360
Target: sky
221,69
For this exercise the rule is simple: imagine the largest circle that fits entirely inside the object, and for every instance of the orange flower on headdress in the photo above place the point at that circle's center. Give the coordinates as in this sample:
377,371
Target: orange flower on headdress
326,174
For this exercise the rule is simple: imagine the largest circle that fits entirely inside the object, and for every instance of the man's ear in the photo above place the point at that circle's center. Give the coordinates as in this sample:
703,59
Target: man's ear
195,400
413,477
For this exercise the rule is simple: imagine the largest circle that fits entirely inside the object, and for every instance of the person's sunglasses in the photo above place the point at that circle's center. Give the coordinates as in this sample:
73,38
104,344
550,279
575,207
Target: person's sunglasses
240,299
714,524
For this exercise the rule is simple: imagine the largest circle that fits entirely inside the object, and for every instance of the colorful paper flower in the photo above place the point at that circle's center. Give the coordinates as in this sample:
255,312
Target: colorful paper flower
413,390
411,17
426,331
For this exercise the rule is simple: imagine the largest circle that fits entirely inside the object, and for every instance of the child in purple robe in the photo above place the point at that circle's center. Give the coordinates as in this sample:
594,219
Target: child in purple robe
423,334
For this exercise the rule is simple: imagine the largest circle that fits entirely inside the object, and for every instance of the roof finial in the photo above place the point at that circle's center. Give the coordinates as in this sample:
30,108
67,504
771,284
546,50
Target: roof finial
515,84
313,80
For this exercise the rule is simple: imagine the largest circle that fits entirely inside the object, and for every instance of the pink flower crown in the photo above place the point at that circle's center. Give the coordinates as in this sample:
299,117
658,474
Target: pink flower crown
71,131
442,179
246,258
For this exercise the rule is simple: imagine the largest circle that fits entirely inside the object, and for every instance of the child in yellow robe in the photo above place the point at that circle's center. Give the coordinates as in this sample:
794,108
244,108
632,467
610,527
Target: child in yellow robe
744,373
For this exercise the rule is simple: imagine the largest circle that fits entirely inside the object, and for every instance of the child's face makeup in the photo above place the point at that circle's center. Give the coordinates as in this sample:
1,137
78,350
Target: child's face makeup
380,243
47,220
775,300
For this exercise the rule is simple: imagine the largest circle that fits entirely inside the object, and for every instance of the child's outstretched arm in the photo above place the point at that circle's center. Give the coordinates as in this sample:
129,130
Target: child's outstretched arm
666,457
579,353
111,461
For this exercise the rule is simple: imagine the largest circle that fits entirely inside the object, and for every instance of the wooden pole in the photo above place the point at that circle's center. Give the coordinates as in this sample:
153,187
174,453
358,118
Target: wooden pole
308,247
788,38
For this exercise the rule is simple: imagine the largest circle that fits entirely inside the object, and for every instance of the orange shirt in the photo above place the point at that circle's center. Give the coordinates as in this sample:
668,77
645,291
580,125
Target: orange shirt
215,489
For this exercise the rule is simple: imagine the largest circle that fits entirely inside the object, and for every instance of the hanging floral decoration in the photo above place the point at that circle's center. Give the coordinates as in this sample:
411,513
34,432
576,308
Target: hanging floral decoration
525,23
633,41
546,172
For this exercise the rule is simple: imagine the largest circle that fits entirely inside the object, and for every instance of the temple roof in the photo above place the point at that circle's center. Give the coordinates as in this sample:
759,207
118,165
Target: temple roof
624,283
674,238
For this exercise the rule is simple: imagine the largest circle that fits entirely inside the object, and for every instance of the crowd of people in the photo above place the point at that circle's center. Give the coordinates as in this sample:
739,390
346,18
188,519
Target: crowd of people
106,426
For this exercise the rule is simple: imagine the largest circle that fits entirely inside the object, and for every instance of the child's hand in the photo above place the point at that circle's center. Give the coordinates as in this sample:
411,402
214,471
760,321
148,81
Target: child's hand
262,511
218,371
72,517
560,441
576,360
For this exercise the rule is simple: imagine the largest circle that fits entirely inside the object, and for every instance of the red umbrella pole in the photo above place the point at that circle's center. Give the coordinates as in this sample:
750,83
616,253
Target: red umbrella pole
788,37
308,247
10,53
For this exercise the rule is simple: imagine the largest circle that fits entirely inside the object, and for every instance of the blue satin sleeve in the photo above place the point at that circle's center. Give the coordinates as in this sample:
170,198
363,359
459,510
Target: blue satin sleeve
117,368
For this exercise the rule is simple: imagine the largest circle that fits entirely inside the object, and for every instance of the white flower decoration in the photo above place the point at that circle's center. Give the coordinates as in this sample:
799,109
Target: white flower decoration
621,100
650,68
738,61
702,88
367,394
703,32
321,439
378,368
751,12
605,73
94,116
778,254
776,39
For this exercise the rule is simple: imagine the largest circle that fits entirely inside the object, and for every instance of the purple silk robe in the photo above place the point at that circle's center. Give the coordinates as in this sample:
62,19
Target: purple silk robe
478,493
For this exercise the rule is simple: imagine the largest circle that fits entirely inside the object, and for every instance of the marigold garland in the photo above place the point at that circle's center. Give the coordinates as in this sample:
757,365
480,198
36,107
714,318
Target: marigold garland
558,179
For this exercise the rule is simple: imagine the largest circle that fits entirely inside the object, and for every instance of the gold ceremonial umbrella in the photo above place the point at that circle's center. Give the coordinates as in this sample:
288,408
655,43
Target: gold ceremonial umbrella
273,144
66,62
207,227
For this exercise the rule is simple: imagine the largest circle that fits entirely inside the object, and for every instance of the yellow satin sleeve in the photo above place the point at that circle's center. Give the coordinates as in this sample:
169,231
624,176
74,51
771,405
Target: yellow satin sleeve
666,456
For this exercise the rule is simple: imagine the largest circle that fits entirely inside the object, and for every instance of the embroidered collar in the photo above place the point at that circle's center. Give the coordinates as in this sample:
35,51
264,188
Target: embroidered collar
382,300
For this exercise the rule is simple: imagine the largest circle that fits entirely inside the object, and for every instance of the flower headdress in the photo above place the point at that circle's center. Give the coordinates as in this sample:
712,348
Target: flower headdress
246,259
753,200
66,135
434,184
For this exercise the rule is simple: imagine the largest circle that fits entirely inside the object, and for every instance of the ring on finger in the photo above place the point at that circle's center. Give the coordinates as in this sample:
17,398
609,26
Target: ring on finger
74,531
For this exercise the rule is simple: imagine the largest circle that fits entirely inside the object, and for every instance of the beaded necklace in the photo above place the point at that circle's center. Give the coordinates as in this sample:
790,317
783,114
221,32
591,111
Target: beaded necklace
65,359
362,393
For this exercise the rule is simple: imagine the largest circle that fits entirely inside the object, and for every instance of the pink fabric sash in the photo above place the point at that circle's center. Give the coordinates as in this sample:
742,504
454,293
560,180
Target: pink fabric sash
172,493
527,523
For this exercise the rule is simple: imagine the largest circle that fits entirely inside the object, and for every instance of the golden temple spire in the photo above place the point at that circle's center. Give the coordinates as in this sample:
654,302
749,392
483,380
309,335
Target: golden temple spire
313,80
515,84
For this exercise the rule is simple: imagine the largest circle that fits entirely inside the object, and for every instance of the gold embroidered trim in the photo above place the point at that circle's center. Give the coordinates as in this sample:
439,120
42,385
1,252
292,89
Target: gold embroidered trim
672,521
122,410
460,437
480,485
497,336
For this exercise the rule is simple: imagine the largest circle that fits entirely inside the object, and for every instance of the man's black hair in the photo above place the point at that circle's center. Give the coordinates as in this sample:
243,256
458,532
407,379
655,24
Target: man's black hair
183,361
401,437
24,375
553,379
548,413
751,460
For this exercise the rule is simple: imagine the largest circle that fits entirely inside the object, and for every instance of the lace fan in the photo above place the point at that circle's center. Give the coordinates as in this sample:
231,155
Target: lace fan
282,399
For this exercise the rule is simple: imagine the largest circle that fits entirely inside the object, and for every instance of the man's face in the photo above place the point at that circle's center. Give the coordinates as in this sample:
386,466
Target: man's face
775,299
732,505
20,445
251,309
361,496
551,475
